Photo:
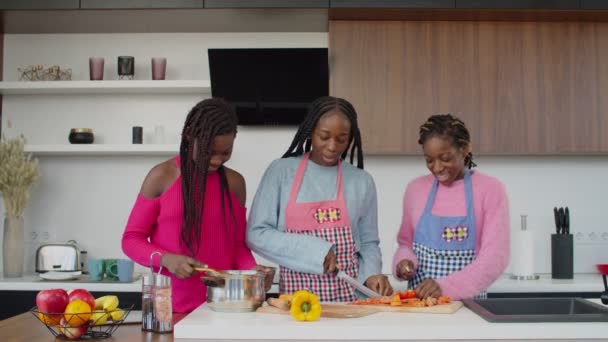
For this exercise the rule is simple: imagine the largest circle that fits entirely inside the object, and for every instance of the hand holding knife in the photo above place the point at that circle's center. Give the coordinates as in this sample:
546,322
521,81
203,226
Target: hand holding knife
354,283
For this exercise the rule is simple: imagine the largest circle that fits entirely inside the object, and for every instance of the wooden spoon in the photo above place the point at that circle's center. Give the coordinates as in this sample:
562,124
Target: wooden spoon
207,269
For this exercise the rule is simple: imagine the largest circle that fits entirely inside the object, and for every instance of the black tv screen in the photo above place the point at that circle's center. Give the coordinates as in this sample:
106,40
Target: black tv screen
269,86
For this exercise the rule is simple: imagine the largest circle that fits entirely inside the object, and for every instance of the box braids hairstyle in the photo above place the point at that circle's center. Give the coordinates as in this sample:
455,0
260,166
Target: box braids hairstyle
206,120
302,140
451,127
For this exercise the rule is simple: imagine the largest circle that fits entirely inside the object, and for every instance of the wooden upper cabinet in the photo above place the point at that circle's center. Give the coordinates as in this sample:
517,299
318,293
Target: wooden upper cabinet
519,4
393,3
520,87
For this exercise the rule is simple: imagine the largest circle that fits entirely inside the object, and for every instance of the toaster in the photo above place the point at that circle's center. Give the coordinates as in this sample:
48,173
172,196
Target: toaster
58,257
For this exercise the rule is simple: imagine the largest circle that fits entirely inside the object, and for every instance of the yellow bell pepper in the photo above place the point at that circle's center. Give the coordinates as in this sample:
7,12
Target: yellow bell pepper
305,306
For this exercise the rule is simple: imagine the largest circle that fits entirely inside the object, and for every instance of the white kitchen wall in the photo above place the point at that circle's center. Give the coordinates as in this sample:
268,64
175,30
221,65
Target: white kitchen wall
89,198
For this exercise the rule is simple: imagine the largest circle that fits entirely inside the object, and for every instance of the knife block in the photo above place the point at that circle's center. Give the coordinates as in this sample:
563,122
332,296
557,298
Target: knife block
562,256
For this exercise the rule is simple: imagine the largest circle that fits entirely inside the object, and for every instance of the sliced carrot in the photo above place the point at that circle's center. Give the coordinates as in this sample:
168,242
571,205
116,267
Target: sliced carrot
444,300
395,300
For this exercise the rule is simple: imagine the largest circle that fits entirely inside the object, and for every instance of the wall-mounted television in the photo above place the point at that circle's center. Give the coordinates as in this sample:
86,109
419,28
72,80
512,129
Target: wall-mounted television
271,86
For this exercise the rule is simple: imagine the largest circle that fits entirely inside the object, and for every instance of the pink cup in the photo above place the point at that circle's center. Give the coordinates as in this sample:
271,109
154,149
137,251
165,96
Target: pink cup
159,67
96,68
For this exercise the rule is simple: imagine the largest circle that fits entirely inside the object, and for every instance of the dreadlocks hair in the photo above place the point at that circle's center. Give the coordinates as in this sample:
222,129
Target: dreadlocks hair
451,127
302,140
206,120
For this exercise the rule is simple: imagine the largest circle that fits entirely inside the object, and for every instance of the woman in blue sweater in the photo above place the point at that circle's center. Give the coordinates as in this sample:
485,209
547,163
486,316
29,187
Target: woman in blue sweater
314,214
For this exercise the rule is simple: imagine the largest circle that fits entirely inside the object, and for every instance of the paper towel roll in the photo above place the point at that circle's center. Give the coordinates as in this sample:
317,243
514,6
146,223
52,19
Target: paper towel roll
523,258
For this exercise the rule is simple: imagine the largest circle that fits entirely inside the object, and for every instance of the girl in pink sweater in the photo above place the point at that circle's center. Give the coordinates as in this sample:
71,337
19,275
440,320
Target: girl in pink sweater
454,236
191,208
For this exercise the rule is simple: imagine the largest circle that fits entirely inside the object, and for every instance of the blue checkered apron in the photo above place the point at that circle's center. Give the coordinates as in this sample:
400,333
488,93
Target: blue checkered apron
444,244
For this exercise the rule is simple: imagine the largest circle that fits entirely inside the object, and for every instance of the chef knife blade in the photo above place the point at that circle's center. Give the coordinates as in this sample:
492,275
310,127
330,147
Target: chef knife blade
562,220
556,216
362,288
567,221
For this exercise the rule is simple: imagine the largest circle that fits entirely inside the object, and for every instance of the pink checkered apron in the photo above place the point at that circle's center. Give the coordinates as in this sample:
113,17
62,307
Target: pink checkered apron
327,220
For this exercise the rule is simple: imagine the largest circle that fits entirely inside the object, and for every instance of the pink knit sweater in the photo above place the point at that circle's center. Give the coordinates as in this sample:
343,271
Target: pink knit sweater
155,224
492,227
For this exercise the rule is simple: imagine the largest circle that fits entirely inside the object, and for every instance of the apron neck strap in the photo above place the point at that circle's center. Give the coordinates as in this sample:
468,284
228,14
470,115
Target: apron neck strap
468,191
295,188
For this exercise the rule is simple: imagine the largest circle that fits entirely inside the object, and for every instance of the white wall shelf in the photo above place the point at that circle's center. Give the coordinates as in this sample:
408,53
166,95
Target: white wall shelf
105,87
102,150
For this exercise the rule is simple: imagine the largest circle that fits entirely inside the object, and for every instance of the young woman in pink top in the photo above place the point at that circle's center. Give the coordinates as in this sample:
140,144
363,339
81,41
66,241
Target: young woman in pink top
454,236
191,207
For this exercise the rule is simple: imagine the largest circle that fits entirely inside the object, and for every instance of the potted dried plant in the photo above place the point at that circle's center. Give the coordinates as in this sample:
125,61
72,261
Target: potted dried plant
18,171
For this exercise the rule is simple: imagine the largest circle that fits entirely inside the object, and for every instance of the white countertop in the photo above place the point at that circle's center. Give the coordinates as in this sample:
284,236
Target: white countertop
591,282
33,282
582,282
205,324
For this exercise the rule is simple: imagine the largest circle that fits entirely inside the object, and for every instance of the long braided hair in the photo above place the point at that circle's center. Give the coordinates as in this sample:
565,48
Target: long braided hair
205,121
302,140
450,127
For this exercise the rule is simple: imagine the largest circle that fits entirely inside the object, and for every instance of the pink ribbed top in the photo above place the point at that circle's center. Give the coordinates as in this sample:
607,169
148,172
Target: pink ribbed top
155,224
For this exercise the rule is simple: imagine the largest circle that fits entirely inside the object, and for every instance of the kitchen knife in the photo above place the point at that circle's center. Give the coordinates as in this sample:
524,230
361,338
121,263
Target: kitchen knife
562,220
556,217
567,221
362,288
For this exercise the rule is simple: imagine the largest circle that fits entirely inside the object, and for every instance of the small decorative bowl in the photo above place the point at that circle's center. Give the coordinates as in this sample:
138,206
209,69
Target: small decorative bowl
81,136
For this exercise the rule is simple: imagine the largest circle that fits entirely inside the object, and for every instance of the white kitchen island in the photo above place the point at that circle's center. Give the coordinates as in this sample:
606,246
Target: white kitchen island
464,325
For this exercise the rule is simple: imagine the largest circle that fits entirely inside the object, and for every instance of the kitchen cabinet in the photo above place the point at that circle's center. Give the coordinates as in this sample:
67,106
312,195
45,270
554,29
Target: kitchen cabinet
267,3
392,3
519,4
193,4
525,88
113,4
594,4
38,4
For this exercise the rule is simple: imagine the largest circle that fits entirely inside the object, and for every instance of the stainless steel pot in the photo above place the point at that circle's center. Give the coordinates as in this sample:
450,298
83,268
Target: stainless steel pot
237,291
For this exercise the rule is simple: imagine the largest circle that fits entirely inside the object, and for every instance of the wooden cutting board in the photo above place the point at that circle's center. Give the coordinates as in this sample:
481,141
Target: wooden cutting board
329,310
352,311
437,309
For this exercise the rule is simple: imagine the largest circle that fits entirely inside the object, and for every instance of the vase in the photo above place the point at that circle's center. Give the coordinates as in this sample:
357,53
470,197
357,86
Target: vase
13,253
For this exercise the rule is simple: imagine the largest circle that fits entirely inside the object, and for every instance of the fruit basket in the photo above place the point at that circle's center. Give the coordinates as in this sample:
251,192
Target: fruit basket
82,326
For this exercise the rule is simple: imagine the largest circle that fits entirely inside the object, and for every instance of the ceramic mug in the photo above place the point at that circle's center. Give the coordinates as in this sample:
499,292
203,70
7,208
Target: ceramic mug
96,269
125,270
111,266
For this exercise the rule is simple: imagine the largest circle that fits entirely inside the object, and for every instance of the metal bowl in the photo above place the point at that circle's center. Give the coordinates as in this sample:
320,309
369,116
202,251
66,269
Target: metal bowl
237,291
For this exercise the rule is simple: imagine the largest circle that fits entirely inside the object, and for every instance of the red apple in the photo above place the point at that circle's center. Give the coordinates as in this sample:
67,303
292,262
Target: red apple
83,295
72,332
53,303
